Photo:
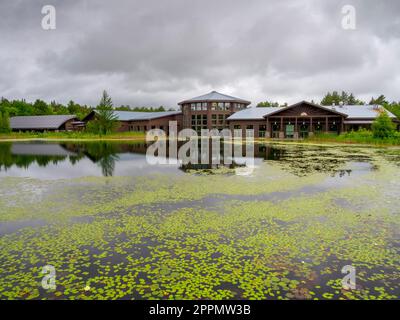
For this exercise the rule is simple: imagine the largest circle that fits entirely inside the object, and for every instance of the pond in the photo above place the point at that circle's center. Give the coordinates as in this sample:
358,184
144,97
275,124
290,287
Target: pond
115,227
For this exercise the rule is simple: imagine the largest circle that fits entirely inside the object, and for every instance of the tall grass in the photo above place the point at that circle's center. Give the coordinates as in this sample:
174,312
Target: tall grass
361,136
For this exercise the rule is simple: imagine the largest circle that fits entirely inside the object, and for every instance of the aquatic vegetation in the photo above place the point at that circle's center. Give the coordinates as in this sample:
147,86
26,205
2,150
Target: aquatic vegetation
276,234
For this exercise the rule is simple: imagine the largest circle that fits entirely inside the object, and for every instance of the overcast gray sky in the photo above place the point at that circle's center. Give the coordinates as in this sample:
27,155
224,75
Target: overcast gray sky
153,52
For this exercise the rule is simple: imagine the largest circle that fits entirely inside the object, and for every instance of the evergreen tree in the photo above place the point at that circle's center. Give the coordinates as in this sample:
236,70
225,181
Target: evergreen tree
105,114
267,104
381,100
41,108
336,98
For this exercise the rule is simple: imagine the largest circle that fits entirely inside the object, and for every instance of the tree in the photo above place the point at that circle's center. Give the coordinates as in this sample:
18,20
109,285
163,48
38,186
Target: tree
267,104
383,126
381,100
41,108
4,122
106,118
394,108
336,98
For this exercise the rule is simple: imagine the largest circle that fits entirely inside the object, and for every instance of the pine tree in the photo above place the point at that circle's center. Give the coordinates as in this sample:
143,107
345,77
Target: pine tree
105,114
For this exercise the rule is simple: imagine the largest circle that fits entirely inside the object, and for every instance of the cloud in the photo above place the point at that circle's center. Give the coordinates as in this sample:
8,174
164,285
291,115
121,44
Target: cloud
161,52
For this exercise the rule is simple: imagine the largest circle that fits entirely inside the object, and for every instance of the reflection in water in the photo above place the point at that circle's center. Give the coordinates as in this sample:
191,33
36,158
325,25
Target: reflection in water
23,155
296,159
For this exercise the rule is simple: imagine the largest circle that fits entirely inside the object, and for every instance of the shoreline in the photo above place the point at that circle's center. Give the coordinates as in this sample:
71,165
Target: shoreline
257,140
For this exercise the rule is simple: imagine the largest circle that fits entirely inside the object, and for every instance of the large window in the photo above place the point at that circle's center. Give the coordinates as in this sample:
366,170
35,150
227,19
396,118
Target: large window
199,121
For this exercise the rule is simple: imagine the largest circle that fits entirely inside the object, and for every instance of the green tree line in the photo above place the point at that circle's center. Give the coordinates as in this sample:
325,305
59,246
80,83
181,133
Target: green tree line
39,108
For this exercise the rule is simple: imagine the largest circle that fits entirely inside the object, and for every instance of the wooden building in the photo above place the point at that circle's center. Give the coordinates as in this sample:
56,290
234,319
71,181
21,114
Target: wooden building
304,119
142,121
46,123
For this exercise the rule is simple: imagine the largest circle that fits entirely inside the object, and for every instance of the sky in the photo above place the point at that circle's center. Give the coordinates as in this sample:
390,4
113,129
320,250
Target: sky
152,52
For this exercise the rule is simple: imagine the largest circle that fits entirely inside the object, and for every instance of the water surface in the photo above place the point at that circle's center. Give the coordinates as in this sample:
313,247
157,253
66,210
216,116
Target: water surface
115,227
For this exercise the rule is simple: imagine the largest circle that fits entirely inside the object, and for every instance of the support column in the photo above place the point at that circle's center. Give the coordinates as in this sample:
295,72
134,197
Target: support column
326,125
209,120
296,131
268,131
311,131
281,131
256,129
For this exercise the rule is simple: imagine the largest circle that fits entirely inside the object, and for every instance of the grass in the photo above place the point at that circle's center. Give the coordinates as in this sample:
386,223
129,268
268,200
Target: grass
359,137
353,137
71,136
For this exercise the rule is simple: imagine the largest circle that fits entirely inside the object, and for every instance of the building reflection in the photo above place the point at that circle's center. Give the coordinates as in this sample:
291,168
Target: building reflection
107,154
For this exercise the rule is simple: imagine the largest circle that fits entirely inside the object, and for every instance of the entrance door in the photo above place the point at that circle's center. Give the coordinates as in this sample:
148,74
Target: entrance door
304,131
289,132
275,131
318,128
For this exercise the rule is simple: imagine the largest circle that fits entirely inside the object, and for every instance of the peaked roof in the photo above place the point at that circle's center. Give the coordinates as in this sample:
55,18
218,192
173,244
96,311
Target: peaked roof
40,122
348,111
215,96
309,103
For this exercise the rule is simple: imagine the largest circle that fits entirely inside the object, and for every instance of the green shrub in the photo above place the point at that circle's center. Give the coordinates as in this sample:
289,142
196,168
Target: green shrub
383,127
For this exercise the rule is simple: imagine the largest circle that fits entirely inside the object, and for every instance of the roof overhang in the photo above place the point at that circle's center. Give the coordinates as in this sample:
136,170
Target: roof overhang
214,100
308,103
358,121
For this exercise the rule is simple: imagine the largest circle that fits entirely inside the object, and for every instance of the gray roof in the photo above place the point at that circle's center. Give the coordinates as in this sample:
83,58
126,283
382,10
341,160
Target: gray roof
40,122
215,96
254,113
361,111
43,149
133,115
352,112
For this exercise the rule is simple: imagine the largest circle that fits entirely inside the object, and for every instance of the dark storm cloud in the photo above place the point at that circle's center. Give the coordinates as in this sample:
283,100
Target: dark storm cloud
161,52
